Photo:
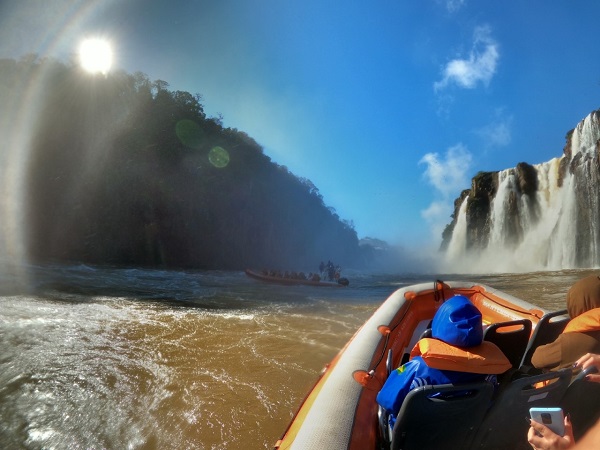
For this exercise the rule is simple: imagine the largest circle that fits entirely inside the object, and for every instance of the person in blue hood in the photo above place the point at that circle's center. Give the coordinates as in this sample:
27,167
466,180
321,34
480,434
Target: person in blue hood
458,323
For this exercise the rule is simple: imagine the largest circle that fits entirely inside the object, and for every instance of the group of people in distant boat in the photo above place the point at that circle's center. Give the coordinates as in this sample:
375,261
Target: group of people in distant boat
329,271
292,275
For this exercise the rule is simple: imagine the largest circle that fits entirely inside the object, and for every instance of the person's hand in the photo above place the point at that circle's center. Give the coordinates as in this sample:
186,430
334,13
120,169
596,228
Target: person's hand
540,437
589,360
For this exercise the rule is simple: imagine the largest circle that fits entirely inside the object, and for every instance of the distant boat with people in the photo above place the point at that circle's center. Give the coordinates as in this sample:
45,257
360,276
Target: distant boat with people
295,278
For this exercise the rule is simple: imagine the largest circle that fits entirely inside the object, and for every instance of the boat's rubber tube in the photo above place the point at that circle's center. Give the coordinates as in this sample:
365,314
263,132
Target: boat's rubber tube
328,424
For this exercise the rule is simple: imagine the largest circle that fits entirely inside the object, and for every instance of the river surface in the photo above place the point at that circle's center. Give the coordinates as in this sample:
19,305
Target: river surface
114,358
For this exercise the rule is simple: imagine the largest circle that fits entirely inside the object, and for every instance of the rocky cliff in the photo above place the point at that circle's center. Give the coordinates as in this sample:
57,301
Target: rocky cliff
532,217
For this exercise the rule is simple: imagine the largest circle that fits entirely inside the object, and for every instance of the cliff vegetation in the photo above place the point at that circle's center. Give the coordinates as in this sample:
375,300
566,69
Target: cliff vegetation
122,170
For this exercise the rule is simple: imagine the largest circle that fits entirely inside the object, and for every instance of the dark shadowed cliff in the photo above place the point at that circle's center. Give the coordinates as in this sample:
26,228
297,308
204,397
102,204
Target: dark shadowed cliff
122,170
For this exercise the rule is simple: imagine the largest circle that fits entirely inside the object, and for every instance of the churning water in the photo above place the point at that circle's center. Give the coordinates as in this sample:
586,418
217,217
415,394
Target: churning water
107,358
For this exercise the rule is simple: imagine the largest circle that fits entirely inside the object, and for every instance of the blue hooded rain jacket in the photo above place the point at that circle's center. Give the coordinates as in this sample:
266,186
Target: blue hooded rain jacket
457,322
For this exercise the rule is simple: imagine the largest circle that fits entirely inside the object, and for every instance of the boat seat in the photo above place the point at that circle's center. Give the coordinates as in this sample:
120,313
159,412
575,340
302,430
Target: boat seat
546,331
511,337
504,425
441,416
389,362
426,333
582,402
421,330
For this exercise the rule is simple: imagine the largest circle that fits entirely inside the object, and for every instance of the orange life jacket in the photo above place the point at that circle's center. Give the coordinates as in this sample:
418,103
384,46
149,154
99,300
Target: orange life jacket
588,321
486,358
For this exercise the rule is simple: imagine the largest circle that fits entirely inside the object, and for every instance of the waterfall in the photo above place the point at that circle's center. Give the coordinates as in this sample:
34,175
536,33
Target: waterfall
458,244
555,227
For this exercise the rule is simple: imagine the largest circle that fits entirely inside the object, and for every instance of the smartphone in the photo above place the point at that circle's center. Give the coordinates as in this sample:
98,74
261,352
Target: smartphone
553,418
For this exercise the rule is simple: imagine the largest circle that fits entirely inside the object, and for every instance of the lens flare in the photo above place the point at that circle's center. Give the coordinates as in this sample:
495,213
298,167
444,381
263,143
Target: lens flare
218,157
189,133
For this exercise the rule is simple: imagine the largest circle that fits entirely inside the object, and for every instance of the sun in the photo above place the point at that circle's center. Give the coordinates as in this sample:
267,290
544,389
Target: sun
95,55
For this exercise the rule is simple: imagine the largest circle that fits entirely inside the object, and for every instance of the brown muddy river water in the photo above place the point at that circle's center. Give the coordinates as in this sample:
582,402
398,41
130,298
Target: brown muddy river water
105,358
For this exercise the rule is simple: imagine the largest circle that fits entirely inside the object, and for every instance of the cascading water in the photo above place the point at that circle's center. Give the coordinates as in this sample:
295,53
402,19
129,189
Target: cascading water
554,226
459,236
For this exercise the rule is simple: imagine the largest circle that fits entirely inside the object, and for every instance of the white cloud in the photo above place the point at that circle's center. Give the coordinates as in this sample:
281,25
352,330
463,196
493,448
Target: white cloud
448,175
454,5
497,133
480,66
437,215
434,211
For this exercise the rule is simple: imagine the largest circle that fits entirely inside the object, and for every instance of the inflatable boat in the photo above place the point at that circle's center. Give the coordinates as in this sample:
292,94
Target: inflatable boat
294,281
341,412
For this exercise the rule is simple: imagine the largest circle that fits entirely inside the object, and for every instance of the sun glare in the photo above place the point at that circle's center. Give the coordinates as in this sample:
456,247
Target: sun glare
95,55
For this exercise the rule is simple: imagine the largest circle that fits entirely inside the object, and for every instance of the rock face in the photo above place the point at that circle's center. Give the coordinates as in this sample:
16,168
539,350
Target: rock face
532,217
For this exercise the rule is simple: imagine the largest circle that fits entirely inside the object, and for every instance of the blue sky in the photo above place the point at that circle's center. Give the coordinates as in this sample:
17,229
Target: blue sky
389,107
